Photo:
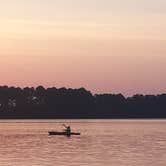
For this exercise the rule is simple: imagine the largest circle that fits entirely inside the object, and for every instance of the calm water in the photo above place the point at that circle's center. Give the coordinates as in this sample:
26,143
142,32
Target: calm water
102,143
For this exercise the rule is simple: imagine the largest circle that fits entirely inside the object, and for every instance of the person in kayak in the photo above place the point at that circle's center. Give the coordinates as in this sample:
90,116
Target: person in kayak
67,129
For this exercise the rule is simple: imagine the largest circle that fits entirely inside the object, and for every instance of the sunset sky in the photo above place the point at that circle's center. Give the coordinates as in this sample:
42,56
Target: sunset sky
102,45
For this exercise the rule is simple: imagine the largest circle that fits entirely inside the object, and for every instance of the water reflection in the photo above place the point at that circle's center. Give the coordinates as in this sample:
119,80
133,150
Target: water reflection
112,143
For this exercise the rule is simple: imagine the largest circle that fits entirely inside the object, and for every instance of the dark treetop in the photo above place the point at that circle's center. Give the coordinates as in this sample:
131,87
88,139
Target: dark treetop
76,103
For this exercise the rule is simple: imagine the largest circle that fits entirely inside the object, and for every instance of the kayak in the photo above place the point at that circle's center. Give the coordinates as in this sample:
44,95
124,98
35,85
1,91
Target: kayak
62,133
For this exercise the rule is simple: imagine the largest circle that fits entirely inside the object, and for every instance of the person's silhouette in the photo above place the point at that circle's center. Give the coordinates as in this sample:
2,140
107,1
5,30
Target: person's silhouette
67,130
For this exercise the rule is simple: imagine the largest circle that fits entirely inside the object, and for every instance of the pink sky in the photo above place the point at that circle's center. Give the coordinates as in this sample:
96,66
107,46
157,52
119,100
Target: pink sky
116,74
105,46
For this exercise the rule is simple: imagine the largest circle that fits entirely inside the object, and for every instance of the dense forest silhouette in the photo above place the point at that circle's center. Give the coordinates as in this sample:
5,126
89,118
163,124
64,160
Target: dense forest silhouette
53,103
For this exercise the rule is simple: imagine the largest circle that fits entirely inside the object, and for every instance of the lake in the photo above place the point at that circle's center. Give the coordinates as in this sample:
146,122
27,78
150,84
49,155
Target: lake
101,143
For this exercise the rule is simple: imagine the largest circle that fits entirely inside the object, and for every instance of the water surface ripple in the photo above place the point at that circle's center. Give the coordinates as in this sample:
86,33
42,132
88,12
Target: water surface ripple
102,143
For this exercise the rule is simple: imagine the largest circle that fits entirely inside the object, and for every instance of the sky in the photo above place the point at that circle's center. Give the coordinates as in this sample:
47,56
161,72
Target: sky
105,46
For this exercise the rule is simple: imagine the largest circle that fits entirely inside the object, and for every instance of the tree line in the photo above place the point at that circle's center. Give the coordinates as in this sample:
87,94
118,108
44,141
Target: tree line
54,103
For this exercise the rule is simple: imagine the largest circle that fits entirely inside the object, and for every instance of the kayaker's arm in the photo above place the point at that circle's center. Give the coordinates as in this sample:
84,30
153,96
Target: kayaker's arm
64,125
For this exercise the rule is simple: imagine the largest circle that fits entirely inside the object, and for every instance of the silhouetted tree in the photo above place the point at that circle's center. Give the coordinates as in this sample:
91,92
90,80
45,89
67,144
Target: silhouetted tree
77,103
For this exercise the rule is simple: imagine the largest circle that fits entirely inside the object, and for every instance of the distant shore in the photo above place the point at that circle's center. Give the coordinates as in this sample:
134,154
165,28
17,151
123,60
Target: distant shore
63,103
